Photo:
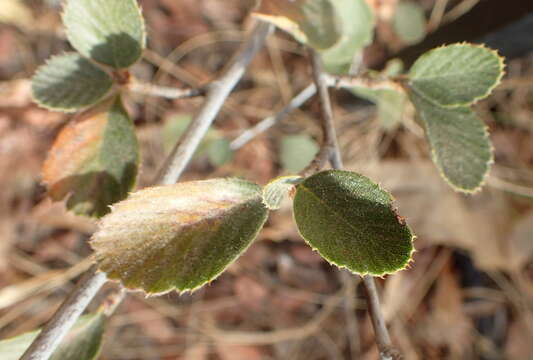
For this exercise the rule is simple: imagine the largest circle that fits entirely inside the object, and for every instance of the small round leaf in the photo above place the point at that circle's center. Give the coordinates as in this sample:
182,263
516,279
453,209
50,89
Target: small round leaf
68,82
456,75
351,222
108,31
278,189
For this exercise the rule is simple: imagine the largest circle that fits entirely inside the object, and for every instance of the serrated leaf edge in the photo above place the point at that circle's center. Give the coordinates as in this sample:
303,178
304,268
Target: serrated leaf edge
143,39
501,62
331,262
175,289
108,94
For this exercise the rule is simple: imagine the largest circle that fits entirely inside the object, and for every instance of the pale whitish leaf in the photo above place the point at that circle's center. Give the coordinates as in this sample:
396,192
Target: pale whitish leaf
456,75
277,190
83,342
390,103
352,223
312,22
219,151
356,32
94,159
410,22
108,31
69,82
297,151
179,236
459,143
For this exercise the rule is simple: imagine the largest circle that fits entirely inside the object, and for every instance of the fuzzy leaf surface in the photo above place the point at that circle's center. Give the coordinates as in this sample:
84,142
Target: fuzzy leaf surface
108,31
459,142
356,32
456,75
94,159
313,22
179,236
351,221
83,342
278,189
68,82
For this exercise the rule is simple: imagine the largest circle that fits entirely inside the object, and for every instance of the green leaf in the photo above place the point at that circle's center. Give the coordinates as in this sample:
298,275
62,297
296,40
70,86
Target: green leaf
94,159
459,142
108,31
219,151
277,190
356,32
352,223
297,151
456,75
83,342
312,22
179,236
410,22
68,82
390,103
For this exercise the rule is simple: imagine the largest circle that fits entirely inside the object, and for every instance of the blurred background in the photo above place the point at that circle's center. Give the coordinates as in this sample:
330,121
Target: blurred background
469,292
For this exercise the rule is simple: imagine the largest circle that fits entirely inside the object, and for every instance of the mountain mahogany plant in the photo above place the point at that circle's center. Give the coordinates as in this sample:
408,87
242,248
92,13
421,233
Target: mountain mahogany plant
180,236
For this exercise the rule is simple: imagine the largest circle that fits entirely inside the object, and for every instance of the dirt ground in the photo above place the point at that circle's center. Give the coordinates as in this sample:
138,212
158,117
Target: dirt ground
467,295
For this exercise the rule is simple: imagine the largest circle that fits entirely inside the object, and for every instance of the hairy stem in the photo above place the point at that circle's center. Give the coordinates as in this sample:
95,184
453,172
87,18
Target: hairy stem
331,148
57,327
164,91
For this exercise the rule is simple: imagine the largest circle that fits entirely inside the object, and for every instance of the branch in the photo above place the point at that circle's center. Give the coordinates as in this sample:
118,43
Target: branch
217,93
331,148
363,80
54,331
164,91
270,121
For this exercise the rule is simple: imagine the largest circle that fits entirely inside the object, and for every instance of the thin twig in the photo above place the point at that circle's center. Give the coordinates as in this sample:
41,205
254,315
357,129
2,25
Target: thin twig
54,331
330,146
217,93
270,121
164,91
50,337
362,80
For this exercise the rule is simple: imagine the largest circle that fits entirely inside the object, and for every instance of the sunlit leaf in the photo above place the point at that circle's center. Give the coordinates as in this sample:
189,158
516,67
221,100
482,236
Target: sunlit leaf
94,159
312,22
459,143
179,236
278,189
352,223
410,22
456,75
68,82
108,31
297,151
83,342
356,32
